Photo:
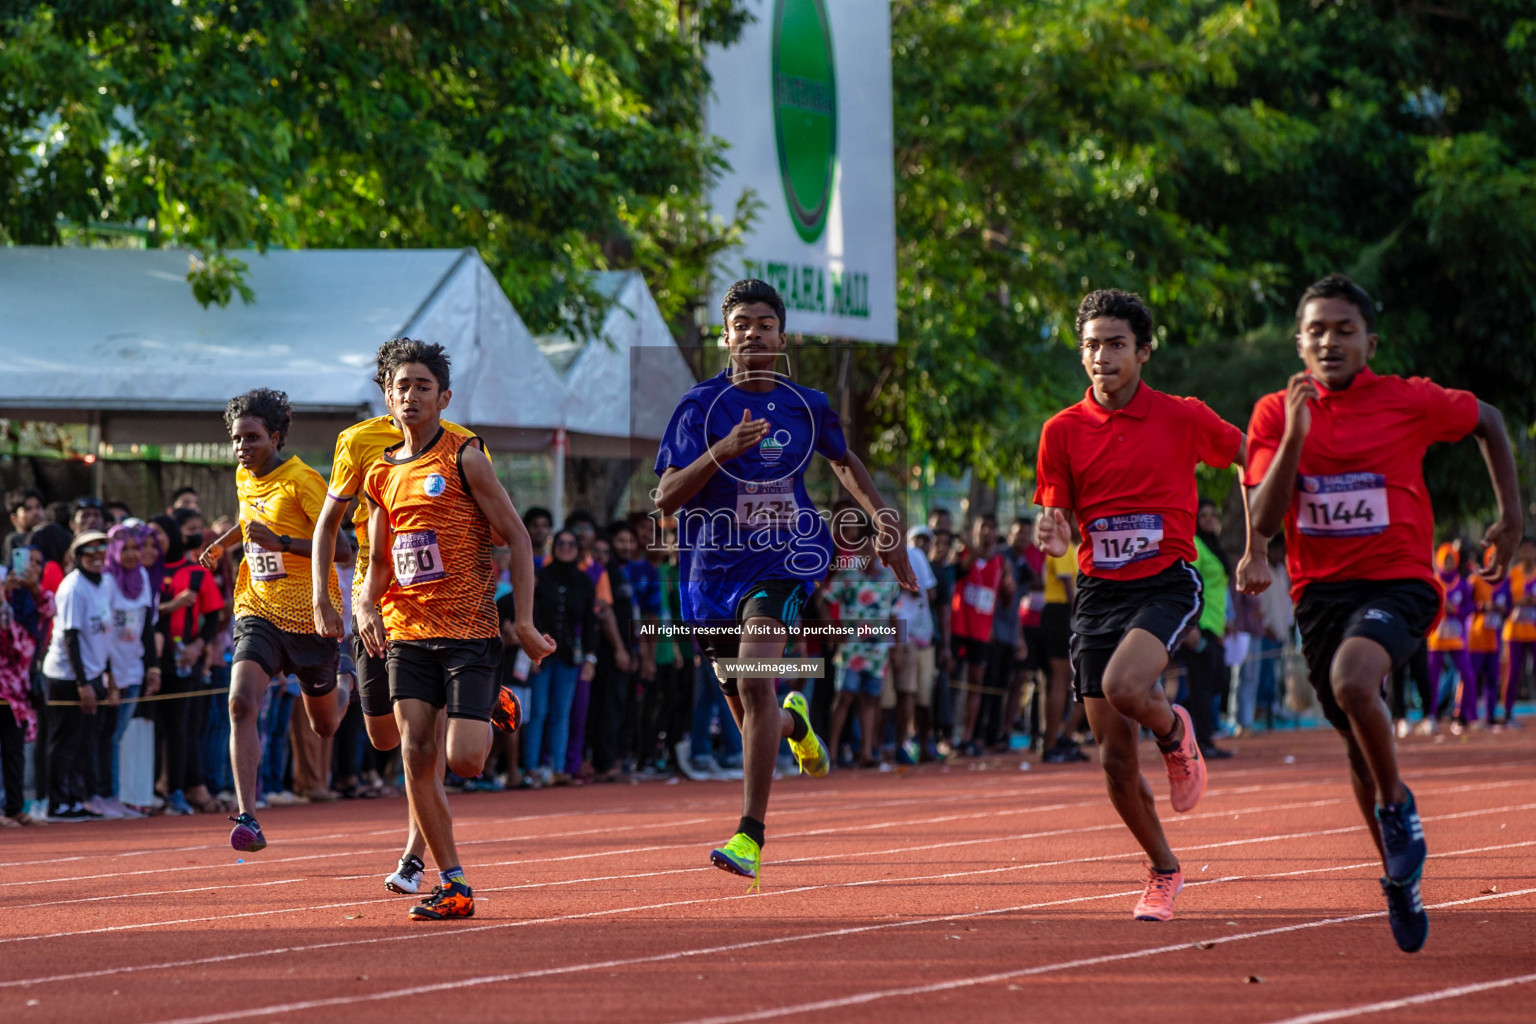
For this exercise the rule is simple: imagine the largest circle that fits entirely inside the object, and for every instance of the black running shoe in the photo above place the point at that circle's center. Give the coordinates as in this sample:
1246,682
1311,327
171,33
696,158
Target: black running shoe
1402,837
1405,912
246,836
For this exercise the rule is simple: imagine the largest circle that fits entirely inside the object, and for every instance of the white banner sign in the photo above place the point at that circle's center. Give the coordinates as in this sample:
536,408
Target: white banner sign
804,100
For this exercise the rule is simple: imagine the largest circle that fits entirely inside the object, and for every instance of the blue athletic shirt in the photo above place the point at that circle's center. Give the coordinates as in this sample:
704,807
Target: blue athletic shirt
753,520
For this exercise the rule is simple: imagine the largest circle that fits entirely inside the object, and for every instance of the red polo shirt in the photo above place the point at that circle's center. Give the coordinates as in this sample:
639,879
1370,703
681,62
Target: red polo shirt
1129,477
1361,511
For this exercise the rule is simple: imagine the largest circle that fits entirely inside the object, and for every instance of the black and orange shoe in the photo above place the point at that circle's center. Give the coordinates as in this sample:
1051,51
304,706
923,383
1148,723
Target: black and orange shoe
507,712
454,900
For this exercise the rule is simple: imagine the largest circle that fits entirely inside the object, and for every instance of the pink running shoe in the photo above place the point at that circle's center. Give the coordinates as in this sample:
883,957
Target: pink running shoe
1186,768
1157,902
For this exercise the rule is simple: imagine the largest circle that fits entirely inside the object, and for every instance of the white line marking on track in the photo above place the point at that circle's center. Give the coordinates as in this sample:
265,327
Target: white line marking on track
865,997
162,892
1406,1001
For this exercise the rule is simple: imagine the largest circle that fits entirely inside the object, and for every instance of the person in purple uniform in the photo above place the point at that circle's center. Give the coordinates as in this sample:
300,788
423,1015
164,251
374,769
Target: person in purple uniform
752,546
1449,640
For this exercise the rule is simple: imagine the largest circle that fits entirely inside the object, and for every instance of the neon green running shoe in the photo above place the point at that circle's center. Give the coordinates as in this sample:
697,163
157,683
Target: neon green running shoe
810,753
741,856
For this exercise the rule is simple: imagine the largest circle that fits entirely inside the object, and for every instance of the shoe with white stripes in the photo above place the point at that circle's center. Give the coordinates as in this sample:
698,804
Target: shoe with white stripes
1405,912
407,877
1402,839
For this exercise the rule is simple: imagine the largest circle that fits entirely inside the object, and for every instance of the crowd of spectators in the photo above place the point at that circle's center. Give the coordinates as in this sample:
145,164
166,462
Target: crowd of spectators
115,647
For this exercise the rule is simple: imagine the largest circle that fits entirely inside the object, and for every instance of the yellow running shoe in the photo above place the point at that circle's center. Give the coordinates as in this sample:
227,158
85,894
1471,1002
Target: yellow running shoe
810,753
741,856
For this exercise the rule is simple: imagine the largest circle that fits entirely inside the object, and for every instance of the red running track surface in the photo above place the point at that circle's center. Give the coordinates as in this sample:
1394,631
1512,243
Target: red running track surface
970,892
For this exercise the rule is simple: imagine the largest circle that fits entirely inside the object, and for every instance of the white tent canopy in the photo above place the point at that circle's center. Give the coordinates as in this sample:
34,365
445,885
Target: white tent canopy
114,336
622,385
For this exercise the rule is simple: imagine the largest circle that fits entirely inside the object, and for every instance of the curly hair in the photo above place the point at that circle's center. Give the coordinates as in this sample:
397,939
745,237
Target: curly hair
752,290
271,407
1337,286
397,352
1112,302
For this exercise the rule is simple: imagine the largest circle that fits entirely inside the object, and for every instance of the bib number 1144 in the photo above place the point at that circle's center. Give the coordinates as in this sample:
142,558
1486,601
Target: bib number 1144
1342,505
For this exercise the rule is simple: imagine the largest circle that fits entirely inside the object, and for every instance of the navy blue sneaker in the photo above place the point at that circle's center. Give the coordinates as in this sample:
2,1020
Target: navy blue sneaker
1402,837
1405,912
246,836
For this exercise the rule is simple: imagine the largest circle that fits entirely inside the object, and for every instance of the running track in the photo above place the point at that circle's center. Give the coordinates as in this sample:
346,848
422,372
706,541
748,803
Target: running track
968,893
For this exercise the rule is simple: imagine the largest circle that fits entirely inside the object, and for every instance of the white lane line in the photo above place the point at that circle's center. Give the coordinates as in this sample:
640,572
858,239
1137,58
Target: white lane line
162,892
865,997
1089,782
1406,1001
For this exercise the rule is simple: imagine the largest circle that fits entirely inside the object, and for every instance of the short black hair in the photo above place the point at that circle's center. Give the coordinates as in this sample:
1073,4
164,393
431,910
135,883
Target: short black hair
581,515
178,492
16,499
1025,521
181,515
1112,302
395,354
1337,286
748,291
619,526
536,512
265,404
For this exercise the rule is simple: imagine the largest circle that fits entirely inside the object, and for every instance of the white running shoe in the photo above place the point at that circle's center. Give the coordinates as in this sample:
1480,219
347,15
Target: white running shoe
101,808
406,878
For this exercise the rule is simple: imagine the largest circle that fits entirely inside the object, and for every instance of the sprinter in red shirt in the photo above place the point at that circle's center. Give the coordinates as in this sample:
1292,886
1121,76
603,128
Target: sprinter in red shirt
1338,458
1122,461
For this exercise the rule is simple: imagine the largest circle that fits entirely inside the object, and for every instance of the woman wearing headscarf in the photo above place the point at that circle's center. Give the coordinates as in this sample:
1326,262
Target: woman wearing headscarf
132,657
24,608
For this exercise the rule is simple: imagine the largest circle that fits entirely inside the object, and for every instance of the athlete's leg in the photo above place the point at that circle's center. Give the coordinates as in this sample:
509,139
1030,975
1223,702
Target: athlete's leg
383,731
756,709
1130,682
1117,735
468,744
247,684
327,711
421,749
1356,675
1364,785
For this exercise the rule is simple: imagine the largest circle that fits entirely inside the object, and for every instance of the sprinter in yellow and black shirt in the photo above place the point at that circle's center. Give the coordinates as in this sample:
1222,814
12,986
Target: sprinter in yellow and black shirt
274,633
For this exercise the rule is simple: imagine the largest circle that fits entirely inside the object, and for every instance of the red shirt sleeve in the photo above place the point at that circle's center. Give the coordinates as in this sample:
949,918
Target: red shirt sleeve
1216,440
210,598
1053,477
1265,429
1449,414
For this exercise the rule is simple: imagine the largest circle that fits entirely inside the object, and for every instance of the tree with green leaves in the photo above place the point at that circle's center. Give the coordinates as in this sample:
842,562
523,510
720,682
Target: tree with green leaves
556,136
1215,157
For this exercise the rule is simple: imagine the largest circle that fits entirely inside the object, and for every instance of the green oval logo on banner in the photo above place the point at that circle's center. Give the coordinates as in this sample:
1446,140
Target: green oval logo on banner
805,111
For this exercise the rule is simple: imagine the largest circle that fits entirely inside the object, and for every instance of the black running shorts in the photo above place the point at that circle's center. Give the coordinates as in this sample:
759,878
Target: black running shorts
459,675
780,600
1396,614
372,680
1165,605
309,656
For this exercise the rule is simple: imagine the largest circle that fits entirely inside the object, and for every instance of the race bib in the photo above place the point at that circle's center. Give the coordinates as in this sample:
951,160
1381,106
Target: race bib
265,565
1342,505
417,558
1120,540
760,505
981,598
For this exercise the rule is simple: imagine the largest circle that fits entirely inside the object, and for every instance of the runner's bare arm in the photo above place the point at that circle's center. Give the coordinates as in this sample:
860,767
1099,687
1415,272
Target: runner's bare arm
1054,532
262,534
497,507
370,624
213,552
1504,535
890,534
1271,498
678,485
1253,576
324,551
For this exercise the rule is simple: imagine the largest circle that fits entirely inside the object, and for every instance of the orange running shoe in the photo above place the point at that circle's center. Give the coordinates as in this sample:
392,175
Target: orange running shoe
507,712
454,900
1186,768
1157,902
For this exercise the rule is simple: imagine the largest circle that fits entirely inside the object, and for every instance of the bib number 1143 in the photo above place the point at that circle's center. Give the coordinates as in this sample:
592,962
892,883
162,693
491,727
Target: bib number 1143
1120,540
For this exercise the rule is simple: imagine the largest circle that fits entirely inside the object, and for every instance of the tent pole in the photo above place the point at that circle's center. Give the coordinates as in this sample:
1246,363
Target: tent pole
557,458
